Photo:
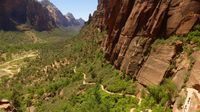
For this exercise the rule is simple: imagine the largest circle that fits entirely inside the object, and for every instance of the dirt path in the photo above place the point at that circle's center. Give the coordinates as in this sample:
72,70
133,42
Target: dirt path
12,67
106,91
18,59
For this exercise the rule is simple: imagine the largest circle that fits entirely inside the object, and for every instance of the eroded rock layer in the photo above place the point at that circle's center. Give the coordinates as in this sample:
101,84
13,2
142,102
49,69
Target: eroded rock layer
133,25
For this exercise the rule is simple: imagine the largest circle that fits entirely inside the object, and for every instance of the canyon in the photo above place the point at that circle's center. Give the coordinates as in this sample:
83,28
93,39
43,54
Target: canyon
131,55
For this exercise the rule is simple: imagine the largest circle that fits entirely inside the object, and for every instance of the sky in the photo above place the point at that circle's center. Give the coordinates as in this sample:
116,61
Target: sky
79,8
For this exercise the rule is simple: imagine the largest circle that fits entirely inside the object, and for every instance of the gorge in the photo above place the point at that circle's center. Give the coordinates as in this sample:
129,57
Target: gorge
130,56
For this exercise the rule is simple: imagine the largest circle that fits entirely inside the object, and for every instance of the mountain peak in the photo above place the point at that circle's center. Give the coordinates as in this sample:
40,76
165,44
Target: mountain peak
69,16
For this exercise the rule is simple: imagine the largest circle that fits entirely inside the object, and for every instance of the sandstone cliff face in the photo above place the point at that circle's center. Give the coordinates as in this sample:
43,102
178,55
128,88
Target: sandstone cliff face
30,12
133,25
99,16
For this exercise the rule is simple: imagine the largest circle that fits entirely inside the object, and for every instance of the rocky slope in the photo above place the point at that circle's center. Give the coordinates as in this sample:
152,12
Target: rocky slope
59,18
14,14
133,26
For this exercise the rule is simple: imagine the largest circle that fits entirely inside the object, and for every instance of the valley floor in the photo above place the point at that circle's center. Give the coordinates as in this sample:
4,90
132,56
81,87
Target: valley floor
39,76
58,73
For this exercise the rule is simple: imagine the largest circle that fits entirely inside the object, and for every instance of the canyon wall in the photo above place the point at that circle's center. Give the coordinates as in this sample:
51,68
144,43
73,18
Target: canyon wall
134,25
14,13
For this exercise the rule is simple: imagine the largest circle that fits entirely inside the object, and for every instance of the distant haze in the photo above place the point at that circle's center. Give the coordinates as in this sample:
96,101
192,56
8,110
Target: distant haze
79,8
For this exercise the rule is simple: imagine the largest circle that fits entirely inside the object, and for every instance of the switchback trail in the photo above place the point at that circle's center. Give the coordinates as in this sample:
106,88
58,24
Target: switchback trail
108,92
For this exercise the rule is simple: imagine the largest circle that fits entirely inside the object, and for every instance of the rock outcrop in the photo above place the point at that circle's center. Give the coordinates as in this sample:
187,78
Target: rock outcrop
24,13
6,106
133,25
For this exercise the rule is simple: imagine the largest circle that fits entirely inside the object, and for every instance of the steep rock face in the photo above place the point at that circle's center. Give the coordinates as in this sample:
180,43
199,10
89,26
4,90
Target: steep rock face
160,58
182,70
30,12
38,16
133,25
194,79
99,16
58,17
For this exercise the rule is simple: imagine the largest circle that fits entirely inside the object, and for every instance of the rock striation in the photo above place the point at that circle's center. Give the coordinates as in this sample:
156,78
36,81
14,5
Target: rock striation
194,79
134,25
160,58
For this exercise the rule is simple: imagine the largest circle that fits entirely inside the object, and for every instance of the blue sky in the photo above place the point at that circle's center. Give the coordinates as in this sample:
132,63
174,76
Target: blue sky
79,8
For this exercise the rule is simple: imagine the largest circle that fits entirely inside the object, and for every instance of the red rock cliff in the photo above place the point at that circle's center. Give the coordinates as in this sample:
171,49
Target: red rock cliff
133,25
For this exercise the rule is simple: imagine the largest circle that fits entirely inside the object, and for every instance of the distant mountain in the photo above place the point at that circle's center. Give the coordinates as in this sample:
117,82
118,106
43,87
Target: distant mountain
76,22
62,21
34,14
23,15
55,13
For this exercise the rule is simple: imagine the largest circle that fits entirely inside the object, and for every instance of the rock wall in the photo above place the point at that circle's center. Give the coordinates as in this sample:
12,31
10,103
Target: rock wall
133,25
29,12
99,16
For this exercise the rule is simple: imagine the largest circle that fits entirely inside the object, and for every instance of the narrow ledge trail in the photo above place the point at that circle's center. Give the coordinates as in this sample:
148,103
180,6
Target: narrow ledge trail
109,92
